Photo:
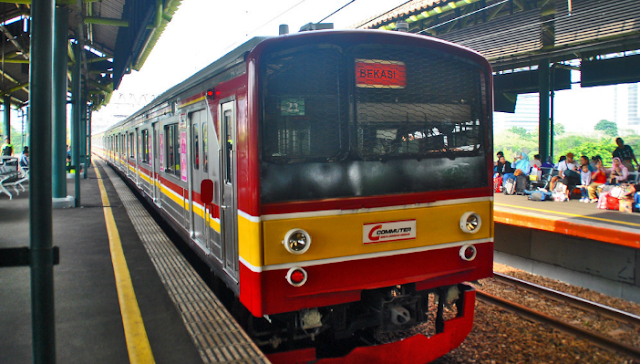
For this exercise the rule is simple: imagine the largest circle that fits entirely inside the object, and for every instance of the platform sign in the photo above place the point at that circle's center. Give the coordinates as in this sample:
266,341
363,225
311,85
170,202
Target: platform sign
183,155
383,232
377,73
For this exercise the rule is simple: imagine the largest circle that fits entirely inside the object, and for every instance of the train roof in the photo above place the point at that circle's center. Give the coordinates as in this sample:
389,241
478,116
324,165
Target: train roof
230,59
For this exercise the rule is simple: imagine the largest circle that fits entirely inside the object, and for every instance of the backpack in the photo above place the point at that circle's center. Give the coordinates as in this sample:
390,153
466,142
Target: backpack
521,184
497,183
637,201
538,196
510,187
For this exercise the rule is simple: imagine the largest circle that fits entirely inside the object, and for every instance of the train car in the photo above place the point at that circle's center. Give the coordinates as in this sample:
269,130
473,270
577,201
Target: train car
338,182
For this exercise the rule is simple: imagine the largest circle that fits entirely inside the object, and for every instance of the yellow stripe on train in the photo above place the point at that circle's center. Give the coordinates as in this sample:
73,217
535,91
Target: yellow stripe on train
342,235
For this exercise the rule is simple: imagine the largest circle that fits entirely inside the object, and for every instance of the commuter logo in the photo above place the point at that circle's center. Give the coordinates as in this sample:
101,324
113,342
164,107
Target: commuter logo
382,232
376,73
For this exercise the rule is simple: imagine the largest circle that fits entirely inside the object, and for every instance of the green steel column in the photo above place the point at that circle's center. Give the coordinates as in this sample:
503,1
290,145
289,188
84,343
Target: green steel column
544,89
76,90
59,97
40,201
89,135
84,134
6,120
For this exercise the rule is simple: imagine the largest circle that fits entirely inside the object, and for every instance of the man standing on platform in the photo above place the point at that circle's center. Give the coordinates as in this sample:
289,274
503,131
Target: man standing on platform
7,148
625,153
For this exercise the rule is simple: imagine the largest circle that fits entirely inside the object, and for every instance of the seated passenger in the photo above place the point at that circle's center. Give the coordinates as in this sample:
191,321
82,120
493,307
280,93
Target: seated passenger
567,172
503,167
598,178
618,172
24,158
585,181
521,162
548,163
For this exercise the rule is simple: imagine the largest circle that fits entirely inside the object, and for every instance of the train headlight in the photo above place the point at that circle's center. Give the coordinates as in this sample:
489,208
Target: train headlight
297,276
470,222
297,241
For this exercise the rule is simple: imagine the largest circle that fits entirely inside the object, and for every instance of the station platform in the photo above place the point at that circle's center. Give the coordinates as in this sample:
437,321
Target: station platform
94,310
573,218
573,242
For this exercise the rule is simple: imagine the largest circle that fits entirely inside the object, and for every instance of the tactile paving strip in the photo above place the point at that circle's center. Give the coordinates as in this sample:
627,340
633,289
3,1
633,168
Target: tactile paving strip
217,336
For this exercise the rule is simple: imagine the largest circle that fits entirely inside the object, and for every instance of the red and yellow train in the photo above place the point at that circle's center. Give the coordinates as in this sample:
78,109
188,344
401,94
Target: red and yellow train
338,182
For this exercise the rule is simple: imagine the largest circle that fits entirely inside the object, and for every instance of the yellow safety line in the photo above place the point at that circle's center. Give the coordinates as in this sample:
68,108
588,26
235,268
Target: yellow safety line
570,214
135,334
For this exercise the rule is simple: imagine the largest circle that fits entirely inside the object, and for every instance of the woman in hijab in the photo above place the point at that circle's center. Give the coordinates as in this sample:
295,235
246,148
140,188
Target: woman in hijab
618,172
521,162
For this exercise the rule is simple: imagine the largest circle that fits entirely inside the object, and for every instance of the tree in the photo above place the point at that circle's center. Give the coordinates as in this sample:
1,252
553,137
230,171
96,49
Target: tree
520,131
558,129
608,127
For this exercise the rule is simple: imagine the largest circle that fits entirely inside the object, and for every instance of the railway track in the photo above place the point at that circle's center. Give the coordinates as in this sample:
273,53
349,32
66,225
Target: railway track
576,302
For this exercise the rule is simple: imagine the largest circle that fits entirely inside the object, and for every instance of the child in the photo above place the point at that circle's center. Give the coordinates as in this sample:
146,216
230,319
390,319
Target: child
585,180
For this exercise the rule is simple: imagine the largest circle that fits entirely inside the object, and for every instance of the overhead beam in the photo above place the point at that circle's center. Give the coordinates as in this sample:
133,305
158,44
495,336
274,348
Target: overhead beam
13,41
15,88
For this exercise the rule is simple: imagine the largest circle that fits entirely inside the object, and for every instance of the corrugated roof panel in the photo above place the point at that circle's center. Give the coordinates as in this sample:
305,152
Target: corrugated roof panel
503,36
593,20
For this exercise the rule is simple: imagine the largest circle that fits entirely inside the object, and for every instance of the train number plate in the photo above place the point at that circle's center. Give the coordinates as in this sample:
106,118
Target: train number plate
382,232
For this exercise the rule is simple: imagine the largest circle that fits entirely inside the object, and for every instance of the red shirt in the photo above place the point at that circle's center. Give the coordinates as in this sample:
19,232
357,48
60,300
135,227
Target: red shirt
599,177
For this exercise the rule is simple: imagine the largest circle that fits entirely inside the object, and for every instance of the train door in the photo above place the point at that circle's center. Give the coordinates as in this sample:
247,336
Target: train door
198,211
137,156
228,206
156,162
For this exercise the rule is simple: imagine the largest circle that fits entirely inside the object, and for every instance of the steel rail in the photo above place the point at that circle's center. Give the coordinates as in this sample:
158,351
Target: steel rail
571,300
599,340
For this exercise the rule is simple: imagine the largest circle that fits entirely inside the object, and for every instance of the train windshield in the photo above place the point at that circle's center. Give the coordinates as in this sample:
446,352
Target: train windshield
367,120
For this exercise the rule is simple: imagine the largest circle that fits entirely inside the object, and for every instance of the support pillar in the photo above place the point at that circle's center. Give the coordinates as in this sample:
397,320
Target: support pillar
544,85
76,130
40,215
89,114
59,99
6,120
84,158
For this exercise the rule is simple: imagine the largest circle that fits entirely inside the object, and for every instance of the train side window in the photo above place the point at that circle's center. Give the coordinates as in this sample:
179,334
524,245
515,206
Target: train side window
172,146
205,152
195,147
132,143
144,146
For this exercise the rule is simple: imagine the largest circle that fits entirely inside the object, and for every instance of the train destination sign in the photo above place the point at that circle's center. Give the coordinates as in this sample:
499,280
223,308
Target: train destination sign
382,232
376,73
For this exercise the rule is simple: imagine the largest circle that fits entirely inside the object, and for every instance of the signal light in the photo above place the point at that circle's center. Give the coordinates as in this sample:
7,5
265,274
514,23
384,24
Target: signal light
297,276
468,252
211,94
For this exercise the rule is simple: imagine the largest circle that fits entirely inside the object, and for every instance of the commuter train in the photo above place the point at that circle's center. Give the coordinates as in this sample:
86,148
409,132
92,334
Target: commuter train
338,182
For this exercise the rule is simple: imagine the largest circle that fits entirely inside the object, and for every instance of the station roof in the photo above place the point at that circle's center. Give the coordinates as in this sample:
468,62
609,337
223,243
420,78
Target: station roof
518,33
117,36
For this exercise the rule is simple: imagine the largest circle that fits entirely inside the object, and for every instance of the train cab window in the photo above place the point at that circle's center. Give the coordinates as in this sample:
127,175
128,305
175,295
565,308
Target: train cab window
304,115
195,146
172,151
205,151
144,146
429,105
